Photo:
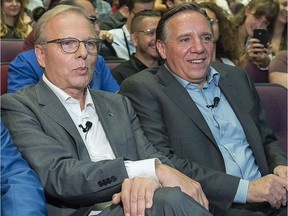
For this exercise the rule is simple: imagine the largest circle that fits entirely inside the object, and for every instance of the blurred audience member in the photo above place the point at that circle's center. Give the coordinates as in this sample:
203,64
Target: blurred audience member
117,19
21,190
32,4
258,14
235,6
105,36
226,40
160,5
13,22
278,69
143,36
122,39
102,9
279,36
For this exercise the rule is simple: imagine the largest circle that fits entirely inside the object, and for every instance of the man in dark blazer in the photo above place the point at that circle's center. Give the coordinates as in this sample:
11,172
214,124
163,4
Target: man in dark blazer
86,145
208,119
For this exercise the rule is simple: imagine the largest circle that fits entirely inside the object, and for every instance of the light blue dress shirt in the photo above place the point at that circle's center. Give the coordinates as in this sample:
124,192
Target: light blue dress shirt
227,131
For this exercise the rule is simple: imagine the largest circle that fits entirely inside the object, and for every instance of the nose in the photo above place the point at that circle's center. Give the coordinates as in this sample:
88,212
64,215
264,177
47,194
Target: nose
82,51
196,45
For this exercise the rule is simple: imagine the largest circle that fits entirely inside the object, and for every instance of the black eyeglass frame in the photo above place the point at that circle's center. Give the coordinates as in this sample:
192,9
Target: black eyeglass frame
62,40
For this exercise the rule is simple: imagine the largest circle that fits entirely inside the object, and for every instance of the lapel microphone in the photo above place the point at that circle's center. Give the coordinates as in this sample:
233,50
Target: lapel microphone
87,126
215,103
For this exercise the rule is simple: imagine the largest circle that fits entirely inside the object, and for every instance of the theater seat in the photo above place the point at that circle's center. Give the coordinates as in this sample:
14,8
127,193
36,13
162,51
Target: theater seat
4,77
114,62
10,48
274,101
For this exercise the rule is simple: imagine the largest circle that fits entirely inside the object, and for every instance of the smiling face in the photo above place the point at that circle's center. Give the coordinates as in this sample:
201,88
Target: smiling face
188,47
11,8
253,21
144,40
72,71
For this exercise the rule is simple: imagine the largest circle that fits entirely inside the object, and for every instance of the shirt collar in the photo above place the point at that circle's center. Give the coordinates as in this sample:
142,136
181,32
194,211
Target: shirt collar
213,76
66,98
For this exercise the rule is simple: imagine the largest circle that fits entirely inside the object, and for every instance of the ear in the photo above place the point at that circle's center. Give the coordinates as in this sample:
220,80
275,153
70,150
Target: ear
40,55
161,49
134,39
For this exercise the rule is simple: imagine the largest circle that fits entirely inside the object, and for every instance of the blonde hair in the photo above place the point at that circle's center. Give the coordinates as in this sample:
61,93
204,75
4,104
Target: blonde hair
21,28
40,27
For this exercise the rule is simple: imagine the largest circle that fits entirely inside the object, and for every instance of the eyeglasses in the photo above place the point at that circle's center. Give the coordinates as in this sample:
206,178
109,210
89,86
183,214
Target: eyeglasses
213,21
92,19
149,32
71,45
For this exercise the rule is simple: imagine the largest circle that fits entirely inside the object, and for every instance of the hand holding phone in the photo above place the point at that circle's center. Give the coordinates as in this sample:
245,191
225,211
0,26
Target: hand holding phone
261,35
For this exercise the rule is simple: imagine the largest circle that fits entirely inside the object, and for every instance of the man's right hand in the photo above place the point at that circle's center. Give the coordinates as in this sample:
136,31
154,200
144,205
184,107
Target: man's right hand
270,188
136,195
170,177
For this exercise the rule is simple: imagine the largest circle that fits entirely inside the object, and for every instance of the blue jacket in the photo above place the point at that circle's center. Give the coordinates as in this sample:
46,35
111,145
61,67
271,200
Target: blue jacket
21,191
25,70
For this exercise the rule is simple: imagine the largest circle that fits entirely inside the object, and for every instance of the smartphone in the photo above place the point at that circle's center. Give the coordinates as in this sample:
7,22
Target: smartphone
262,35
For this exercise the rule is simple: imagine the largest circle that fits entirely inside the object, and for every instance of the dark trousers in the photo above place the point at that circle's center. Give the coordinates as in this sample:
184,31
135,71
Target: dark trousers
166,202
262,209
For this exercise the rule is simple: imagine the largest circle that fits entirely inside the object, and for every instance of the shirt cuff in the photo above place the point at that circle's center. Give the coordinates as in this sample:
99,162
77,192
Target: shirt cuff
242,191
143,168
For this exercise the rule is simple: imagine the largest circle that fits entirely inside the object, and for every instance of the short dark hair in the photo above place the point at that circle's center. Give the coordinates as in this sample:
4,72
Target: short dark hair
161,34
131,3
140,16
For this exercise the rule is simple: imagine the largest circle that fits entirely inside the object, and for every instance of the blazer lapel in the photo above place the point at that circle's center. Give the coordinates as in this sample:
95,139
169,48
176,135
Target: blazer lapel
52,106
108,116
178,94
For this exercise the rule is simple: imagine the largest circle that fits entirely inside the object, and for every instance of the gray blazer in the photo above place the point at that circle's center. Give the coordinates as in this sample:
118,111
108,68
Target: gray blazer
176,127
45,134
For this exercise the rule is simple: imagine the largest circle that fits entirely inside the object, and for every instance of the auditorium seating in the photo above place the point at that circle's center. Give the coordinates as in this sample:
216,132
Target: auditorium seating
10,48
4,77
274,101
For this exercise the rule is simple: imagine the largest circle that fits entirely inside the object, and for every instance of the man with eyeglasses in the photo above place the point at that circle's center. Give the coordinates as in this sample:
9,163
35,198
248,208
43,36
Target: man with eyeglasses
143,35
25,70
123,45
86,145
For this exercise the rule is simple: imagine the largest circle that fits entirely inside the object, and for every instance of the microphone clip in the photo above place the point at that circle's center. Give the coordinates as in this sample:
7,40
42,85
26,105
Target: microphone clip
88,125
215,103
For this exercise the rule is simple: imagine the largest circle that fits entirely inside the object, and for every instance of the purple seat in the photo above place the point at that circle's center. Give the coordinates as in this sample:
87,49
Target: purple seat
257,75
4,77
274,101
10,48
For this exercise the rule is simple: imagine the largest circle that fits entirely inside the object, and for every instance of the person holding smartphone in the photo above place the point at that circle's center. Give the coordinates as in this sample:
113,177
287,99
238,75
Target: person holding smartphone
258,14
